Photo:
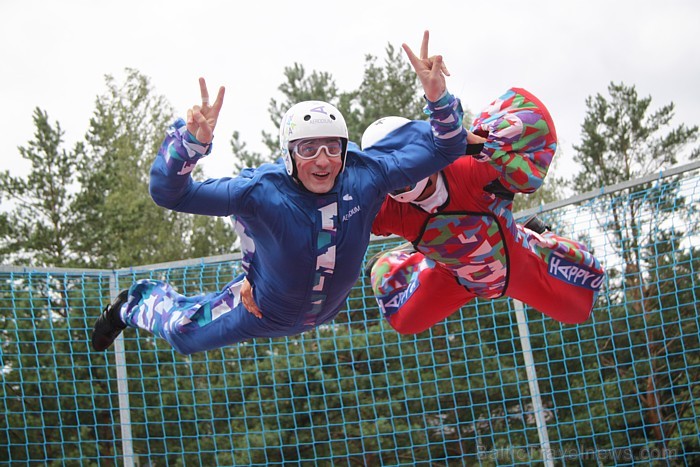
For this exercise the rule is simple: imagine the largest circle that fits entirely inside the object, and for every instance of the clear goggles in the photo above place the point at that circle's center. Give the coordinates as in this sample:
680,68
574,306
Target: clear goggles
310,148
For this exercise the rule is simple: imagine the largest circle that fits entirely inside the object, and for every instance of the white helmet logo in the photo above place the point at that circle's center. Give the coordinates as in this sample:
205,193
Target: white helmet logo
320,109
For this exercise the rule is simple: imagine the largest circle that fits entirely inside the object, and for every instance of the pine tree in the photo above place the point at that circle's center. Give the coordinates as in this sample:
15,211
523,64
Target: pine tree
623,139
39,227
120,224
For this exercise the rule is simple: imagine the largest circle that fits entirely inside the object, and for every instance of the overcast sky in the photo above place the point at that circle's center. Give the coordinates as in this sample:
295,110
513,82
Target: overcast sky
55,54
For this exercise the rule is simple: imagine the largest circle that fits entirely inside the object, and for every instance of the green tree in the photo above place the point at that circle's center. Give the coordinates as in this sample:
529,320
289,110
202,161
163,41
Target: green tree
242,157
298,87
38,228
391,89
622,139
119,223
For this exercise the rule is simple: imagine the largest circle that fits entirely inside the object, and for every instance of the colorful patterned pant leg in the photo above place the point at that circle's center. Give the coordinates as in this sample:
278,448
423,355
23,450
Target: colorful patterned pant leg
414,292
556,276
193,324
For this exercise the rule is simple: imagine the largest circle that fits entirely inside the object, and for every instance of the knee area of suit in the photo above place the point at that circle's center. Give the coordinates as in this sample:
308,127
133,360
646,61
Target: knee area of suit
177,344
574,317
406,328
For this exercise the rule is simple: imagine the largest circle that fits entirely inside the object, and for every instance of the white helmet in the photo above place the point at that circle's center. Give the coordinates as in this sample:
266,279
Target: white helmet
375,133
311,119
409,194
379,129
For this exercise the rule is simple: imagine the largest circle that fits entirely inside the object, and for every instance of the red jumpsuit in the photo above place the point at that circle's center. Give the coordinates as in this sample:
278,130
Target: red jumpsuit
470,246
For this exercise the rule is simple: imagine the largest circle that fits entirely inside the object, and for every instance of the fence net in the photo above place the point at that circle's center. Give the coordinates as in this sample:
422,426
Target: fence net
620,389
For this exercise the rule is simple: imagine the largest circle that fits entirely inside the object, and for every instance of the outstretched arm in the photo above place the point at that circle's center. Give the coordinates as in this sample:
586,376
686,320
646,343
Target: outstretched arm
444,110
418,149
185,144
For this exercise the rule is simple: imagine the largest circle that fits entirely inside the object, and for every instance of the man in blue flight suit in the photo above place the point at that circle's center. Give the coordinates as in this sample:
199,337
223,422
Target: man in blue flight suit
304,225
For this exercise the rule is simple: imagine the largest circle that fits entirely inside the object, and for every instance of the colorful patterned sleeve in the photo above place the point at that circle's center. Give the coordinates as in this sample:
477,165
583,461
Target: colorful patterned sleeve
180,144
445,116
177,157
521,139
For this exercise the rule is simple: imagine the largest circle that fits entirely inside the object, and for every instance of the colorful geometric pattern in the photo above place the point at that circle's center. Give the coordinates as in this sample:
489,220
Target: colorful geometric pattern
325,259
445,116
184,147
155,306
472,246
567,259
394,278
521,139
247,244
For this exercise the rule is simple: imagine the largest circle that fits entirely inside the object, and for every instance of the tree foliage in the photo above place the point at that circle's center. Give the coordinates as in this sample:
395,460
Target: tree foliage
354,390
121,225
242,157
391,89
91,206
40,227
623,139
296,88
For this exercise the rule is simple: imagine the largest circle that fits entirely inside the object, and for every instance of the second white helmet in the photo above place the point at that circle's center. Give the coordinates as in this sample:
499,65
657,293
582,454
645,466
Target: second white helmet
377,131
311,119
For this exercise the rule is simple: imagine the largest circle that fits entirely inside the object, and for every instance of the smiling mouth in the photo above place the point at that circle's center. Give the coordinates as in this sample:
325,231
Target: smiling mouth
321,174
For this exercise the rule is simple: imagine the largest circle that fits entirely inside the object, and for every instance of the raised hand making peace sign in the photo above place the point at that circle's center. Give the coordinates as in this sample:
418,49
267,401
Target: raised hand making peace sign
201,120
430,70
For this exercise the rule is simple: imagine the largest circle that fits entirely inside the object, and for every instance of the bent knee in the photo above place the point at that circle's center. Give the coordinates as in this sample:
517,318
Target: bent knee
571,315
581,316
179,341
406,327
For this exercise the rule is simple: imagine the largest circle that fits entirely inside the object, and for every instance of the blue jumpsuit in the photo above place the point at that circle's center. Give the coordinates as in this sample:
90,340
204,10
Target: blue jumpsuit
302,252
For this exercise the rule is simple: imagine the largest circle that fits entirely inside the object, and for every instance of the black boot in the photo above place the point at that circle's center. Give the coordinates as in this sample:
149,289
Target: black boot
536,225
109,325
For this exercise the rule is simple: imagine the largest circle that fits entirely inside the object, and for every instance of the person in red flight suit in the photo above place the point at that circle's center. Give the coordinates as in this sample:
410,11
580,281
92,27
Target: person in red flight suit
465,241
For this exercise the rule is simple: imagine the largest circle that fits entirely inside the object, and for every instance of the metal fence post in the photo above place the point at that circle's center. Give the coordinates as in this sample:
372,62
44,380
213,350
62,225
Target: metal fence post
122,386
537,406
